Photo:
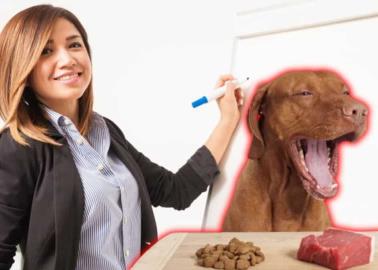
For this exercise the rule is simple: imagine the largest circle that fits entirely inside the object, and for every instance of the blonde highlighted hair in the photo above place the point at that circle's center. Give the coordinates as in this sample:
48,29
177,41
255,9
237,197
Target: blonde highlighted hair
21,44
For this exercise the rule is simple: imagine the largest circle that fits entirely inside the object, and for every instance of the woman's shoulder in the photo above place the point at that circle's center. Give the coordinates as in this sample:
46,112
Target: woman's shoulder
10,148
20,167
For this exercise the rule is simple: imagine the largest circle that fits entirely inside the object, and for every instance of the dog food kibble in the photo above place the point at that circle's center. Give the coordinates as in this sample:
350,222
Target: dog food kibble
237,255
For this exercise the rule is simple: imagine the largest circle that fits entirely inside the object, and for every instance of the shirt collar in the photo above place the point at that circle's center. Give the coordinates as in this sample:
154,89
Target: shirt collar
59,121
56,119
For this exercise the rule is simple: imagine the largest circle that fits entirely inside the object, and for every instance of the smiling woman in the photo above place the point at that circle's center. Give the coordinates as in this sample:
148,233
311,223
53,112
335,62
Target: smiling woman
74,193
36,46
65,68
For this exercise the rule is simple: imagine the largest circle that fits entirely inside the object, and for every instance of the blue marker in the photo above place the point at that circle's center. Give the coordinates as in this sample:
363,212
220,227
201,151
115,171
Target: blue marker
216,93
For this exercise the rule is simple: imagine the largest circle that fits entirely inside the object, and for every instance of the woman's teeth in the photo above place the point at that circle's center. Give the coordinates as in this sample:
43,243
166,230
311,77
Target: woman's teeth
67,77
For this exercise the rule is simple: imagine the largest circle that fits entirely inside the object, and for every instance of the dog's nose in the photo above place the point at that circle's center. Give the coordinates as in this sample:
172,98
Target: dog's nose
356,111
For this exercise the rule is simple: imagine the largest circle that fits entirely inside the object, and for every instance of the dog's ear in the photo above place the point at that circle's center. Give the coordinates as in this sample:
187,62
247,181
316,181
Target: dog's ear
255,118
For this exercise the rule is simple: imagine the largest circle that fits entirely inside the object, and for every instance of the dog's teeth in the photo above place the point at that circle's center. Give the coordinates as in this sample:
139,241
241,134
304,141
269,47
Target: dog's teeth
299,145
334,186
317,186
301,154
303,162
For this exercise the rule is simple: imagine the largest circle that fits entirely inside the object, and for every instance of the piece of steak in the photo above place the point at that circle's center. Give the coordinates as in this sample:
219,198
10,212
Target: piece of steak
337,249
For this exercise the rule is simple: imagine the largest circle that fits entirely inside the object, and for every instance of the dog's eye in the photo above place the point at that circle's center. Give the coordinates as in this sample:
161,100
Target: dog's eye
303,93
345,91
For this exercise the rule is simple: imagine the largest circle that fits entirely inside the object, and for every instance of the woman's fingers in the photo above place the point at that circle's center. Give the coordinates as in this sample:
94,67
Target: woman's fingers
223,79
234,92
239,95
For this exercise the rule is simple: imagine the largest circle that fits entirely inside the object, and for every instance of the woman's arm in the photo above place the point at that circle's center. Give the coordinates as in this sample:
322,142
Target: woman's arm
16,191
165,188
229,106
179,189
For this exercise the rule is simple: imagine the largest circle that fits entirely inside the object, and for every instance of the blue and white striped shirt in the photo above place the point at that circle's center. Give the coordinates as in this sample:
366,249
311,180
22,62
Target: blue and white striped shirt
111,229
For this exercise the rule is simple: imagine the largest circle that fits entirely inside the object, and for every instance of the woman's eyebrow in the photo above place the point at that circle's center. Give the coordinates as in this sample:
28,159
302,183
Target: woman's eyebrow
67,39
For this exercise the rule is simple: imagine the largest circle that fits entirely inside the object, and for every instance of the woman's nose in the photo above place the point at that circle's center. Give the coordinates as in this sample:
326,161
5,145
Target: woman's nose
65,59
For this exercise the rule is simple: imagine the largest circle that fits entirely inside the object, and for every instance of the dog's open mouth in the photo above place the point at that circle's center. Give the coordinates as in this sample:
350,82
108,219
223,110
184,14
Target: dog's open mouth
316,164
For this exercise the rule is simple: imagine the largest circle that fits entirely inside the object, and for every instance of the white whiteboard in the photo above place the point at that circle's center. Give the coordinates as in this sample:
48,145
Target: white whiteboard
313,34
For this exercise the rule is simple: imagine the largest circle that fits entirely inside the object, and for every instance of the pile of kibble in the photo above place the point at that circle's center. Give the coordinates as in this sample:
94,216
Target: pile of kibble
236,255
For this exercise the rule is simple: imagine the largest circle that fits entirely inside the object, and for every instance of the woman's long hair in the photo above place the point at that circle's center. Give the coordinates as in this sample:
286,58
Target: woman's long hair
21,44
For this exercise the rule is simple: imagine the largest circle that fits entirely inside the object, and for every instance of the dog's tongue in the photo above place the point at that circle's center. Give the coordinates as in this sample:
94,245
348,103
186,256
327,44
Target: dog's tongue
317,162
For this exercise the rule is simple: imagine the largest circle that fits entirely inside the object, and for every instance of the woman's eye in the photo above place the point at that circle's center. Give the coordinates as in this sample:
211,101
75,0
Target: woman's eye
75,45
346,93
46,51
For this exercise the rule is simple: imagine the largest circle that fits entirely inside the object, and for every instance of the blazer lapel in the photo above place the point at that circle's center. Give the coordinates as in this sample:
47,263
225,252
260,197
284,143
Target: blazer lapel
149,230
121,151
69,206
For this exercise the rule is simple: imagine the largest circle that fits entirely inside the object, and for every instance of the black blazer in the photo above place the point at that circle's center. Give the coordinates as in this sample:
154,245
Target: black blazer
42,199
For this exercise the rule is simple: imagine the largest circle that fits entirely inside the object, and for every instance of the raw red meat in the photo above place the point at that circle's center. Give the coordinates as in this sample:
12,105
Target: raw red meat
337,249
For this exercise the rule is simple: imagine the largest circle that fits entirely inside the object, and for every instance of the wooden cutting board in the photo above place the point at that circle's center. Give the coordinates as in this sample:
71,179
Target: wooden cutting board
176,251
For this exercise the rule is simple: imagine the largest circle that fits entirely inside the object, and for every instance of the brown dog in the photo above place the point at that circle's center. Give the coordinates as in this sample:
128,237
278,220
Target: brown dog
297,121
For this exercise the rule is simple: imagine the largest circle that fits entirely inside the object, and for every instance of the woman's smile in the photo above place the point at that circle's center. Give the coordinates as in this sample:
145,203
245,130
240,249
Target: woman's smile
70,78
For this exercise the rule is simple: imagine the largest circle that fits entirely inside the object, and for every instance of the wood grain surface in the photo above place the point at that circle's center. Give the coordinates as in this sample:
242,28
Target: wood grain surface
177,251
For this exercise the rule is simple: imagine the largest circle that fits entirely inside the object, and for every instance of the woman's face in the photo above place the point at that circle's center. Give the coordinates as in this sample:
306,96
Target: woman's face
63,71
